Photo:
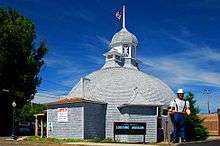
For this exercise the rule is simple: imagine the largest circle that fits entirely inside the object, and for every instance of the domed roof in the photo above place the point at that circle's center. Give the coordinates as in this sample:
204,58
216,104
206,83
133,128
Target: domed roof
123,86
123,36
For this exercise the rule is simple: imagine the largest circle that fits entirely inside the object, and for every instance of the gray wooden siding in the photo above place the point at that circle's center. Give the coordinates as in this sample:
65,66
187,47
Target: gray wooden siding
71,129
142,114
94,121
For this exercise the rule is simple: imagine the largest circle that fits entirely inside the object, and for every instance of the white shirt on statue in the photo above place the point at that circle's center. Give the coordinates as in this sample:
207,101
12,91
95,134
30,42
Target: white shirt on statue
179,104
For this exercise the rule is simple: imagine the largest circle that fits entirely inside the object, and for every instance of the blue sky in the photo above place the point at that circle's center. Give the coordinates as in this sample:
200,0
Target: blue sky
179,41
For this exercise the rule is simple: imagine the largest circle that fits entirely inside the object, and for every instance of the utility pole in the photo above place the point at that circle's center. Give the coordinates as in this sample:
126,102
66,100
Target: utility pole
207,93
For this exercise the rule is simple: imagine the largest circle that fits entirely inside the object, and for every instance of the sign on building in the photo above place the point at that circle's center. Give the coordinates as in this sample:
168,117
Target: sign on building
130,128
62,114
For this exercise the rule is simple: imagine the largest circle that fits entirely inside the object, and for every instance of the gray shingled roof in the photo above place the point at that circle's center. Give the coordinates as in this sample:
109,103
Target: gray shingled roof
123,37
128,85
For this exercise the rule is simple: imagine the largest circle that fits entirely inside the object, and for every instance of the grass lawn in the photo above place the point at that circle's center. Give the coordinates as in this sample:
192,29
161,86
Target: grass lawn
35,140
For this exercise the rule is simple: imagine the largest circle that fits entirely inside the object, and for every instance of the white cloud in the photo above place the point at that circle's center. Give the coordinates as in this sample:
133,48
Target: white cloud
103,40
189,67
65,71
69,69
47,96
85,15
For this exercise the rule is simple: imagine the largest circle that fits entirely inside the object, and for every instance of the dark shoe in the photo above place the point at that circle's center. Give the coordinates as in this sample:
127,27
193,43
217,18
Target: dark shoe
174,141
182,140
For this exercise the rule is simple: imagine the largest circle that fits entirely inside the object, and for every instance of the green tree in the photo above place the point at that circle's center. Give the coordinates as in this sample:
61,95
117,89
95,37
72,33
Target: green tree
20,63
26,113
194,128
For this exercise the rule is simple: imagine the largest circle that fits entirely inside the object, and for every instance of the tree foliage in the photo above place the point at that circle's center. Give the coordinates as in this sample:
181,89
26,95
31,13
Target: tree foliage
26,113
194,128
20,61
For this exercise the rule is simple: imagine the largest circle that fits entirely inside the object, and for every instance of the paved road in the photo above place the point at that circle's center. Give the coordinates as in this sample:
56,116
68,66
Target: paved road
207,143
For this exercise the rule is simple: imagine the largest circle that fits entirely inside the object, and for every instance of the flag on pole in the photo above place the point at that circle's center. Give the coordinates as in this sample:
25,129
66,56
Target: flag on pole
119,14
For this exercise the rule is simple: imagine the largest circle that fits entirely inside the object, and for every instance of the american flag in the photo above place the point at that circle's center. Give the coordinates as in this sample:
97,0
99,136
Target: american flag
118,14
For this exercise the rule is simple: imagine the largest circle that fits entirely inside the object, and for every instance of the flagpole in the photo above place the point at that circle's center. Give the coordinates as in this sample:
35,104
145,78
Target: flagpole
123,16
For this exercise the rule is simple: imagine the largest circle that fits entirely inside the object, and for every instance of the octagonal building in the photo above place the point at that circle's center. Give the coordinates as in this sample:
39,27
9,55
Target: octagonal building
118,92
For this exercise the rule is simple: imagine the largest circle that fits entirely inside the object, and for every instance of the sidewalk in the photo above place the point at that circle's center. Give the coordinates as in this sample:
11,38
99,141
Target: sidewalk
211,141
107,144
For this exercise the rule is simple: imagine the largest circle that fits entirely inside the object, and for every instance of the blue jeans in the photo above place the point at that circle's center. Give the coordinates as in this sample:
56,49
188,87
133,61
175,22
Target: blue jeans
179,128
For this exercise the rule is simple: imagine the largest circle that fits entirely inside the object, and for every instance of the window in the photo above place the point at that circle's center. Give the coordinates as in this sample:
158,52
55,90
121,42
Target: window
117,57
127,53
125,49
110,56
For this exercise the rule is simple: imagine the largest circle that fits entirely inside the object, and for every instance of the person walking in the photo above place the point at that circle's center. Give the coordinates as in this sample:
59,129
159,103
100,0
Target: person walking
178,109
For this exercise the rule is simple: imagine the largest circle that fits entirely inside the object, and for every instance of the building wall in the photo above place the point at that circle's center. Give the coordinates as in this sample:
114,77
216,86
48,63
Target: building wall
141,114
149,116
88,120
71,129
94,121
212,122
112,115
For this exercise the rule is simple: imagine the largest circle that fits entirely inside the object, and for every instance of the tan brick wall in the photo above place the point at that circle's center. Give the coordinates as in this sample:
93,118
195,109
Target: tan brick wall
212,122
